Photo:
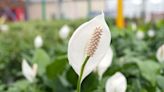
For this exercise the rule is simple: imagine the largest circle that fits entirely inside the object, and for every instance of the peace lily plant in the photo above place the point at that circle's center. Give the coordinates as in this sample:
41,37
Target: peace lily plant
87,47
28,71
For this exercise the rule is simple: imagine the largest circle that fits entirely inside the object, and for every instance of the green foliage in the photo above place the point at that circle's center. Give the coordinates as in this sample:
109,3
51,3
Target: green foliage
42,59
56,68
135,58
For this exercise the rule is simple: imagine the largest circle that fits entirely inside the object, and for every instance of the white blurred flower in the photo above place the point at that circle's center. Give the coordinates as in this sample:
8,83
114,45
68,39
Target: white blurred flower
64,32
133,26
4,28
160,53
91,39
28,71
105,63
140,34
151,33
38,41
116,83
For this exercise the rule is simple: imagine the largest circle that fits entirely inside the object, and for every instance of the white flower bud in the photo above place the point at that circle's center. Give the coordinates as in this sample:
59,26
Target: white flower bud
38,41
116,83
151,33
64,32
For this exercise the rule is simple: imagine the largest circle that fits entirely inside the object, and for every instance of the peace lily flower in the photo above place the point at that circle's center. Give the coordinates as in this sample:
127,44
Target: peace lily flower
116,83
140,34
38,41
64,32
87,46
151,33
105,63
28,71
160,53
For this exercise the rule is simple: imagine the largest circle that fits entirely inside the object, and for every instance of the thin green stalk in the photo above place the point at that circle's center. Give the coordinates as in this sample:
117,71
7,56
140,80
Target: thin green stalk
81,74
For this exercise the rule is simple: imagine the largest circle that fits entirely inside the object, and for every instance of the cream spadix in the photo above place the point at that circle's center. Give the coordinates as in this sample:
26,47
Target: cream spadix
116,83
28,71
105,63
89,39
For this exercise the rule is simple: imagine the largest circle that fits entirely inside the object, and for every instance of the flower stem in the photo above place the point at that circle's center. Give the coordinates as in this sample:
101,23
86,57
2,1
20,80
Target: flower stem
81,74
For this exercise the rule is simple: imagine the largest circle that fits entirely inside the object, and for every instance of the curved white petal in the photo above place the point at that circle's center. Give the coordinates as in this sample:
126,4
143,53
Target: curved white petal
160,53
28,71
105,62
38,41
79,41
64,32
116,83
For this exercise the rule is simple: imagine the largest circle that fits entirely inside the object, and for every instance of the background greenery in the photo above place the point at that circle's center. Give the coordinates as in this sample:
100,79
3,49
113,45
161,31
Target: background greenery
135,58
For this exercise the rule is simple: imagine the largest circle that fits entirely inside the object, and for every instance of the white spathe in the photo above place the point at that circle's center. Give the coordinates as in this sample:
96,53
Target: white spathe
28,71
105,63
79,41
160,54
38,41
140,34
64,32
151,33
116,83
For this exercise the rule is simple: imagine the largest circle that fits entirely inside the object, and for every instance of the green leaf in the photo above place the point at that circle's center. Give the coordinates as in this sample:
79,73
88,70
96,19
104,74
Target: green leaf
59,87
160,82
90,83
42,59
72,77
149,70
56,67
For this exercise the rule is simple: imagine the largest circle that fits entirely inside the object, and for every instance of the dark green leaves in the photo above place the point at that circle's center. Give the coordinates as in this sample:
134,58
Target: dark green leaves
56,68
149,70
160,82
